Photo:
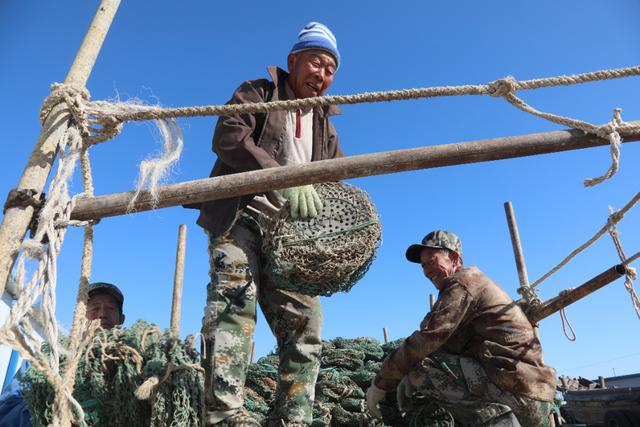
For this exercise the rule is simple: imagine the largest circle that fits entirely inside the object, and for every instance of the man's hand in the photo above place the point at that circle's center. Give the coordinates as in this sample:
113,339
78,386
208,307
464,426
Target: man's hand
303,201
403,394
374,396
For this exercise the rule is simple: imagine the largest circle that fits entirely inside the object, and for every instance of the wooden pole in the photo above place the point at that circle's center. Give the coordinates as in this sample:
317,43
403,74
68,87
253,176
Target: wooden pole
253,353
517,247
178,280
385,333
16,220
432,301
569,297
336,169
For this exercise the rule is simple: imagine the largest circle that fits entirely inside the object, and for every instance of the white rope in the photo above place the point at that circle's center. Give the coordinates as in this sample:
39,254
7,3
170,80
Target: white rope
17,330
613,219
152,171
109,115
631,273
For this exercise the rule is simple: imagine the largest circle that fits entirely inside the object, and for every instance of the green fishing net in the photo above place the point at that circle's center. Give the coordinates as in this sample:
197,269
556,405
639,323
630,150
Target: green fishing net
328,253
117,362
121,360
346,370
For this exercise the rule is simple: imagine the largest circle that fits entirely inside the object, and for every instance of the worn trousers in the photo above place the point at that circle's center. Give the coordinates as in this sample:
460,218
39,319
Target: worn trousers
461,385
238,282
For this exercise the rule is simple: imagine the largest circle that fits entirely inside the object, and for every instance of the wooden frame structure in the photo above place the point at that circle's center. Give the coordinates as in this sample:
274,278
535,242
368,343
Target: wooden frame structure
16,220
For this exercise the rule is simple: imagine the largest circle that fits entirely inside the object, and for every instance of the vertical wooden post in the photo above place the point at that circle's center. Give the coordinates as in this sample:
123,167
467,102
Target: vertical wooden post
178,279
16,220
253,353
432,301
386,334
517,247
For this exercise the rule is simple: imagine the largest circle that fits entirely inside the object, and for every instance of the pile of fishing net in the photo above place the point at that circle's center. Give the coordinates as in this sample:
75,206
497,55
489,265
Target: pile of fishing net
328,253
118,362
346,370
141,377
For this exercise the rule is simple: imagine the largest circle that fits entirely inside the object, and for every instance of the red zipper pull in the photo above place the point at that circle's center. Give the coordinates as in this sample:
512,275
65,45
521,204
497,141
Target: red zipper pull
298,124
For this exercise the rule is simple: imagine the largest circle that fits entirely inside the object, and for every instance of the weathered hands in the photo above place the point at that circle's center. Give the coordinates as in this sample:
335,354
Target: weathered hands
403,393
374,396
303,201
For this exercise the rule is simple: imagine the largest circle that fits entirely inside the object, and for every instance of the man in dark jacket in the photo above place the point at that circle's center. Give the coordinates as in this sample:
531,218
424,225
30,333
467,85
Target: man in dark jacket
245,142
475,353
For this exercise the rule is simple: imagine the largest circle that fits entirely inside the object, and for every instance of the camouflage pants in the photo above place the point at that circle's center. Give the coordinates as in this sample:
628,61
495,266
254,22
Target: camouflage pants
237,284
460,385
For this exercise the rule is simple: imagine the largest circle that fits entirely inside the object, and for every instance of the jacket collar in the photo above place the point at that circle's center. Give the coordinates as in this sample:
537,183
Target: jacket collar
279,77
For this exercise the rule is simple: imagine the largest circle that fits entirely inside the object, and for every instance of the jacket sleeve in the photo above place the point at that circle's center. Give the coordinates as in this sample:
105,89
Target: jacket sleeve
447,314
333,147
233,139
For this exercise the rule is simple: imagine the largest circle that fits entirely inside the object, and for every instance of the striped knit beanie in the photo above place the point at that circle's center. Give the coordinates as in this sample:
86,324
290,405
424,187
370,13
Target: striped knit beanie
317,36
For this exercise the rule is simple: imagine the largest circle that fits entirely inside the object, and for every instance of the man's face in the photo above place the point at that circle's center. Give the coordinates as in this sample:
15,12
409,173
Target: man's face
310,72
437,264
104,307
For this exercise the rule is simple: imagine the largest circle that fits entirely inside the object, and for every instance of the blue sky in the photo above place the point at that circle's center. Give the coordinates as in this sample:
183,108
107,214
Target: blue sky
197,53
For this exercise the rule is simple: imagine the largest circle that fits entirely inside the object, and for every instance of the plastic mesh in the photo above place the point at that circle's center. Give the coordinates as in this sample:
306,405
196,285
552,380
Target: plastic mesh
328,253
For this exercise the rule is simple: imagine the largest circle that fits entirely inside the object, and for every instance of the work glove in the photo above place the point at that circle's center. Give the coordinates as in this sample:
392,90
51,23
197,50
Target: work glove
303,201
374,396
404,393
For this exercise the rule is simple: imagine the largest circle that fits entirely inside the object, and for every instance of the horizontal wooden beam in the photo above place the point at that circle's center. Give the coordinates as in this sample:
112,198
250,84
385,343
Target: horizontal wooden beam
573,295
259,181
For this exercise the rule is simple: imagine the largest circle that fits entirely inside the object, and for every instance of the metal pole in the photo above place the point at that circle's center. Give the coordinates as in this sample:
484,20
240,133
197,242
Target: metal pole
432,301
259,181
178,280
16,220
385,333
569,297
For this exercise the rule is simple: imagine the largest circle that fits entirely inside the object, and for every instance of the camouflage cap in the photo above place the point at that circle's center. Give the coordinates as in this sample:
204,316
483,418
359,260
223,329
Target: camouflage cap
107,288
436,239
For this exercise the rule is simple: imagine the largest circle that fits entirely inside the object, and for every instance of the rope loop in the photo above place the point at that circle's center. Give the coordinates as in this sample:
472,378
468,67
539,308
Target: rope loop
74,97
503,87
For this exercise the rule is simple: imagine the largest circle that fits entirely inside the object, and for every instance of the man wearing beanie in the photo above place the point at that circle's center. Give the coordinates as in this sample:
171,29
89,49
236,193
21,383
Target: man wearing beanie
245,142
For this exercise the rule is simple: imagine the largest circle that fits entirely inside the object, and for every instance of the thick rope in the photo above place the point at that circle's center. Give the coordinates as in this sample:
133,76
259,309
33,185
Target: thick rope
146,389
131,112
613,219
108,115
82,331
17,330
631,273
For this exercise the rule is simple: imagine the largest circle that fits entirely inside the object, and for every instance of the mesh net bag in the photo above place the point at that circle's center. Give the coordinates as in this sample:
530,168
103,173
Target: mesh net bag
328,253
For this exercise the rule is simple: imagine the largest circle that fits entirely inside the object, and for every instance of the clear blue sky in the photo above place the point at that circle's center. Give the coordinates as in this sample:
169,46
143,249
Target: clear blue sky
196,53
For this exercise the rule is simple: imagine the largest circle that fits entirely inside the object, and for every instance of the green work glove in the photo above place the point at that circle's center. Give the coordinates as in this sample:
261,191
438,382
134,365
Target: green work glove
303,201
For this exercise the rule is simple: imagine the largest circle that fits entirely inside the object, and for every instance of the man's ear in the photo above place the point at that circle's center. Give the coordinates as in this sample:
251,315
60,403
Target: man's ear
291,60
122,317
454,257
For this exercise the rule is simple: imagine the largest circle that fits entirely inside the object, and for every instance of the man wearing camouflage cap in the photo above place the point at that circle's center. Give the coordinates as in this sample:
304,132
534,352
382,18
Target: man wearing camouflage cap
475,353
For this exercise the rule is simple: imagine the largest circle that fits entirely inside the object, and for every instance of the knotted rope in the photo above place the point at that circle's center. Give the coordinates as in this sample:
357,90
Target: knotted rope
109,113
613,219
17,330
631,274
611,227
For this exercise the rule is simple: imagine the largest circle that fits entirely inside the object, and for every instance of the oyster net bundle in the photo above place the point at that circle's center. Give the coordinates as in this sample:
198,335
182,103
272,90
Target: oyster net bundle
347,367
120,361
117,363
328,253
